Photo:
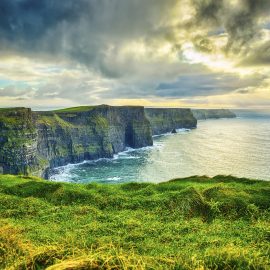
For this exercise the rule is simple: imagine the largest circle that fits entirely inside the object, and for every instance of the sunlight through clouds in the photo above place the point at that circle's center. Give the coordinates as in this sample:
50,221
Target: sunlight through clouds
122,51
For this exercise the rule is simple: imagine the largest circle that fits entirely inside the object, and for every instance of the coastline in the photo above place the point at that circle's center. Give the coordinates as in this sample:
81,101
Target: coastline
213,148
115,156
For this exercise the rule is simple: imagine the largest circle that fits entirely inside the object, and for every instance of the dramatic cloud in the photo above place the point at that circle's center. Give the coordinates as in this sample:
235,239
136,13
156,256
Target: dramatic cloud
95,51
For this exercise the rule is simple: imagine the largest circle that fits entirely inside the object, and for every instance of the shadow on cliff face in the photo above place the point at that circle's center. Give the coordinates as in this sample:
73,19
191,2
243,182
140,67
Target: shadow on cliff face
129,140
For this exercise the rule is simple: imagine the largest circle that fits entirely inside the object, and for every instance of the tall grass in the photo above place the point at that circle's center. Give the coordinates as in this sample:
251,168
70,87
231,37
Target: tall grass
192,223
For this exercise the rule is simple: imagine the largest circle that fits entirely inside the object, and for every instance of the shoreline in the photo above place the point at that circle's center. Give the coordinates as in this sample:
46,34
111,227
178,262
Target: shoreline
128,149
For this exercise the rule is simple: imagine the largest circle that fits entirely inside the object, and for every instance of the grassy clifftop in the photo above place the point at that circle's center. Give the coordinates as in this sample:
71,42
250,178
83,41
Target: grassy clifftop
193,223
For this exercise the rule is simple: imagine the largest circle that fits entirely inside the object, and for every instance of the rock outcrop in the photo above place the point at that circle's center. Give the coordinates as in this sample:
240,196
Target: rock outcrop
203,114
164,120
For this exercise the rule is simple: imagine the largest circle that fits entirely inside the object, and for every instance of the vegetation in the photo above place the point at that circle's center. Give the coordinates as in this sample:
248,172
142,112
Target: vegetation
76,109
11,109
19,117
192,223
54,121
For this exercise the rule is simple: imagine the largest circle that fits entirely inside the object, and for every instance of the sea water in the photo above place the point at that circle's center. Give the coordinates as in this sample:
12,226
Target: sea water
239,147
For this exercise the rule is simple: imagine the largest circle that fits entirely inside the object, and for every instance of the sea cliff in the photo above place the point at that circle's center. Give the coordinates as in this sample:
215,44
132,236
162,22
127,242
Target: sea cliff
35,142
202,114
165,120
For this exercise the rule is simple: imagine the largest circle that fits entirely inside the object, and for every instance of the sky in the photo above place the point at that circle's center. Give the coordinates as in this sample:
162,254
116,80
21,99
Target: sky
162,53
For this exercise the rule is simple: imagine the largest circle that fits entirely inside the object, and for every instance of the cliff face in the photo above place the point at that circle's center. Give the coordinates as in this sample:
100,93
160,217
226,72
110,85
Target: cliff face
94,132
164,120
18,141
34,142
212,114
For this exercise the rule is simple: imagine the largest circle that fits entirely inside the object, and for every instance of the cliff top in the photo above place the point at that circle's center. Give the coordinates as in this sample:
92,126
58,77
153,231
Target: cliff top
79,109
87,108
13,109
14,116
75,109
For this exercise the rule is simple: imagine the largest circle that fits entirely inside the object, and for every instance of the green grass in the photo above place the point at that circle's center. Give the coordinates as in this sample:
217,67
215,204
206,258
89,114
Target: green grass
192,223
53,120
10,117
11,109
75,109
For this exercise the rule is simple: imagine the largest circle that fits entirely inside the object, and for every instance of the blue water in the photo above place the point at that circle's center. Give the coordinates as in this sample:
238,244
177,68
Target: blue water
239,147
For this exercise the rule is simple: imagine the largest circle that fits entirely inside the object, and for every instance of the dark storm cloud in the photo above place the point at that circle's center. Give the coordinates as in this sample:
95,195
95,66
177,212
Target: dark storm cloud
208,10
259,56
29,20
240,22
82,30
243,25
38,27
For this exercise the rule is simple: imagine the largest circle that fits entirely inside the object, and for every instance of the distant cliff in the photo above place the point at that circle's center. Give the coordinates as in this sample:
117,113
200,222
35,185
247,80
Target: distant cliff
165,120
201,114
33,142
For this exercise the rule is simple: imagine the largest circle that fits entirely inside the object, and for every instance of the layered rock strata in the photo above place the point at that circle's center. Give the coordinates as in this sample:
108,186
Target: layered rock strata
164,120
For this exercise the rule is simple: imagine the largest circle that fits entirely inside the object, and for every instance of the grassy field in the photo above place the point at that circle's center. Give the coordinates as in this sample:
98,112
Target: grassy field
193,223
75,109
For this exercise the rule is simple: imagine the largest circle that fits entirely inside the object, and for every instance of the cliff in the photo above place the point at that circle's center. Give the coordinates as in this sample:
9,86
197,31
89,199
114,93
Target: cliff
34,142
165,120
18,141
201,114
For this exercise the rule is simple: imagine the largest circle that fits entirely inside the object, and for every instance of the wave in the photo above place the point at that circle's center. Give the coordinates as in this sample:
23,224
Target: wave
62,174
66,173
115,178
179,130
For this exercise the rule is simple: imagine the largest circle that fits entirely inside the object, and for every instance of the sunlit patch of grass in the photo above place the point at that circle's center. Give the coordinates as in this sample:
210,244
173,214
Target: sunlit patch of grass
192,223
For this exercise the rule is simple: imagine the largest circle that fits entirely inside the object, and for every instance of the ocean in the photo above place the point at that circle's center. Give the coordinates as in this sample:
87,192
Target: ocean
239,147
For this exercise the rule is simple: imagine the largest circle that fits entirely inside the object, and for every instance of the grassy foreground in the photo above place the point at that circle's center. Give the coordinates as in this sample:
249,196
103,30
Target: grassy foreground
193,223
